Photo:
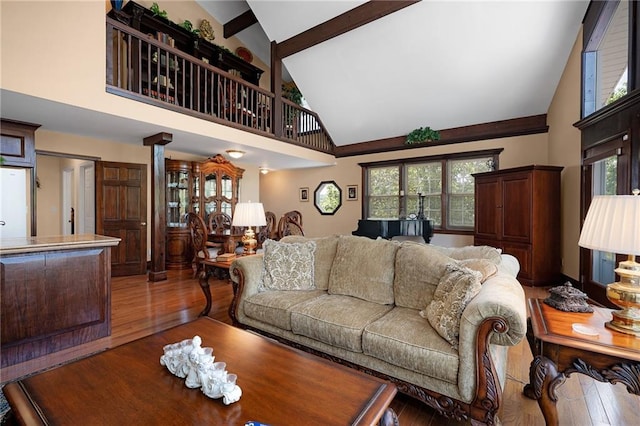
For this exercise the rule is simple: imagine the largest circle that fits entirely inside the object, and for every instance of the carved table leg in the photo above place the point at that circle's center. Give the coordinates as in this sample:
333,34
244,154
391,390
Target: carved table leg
389,418
543,381
203,279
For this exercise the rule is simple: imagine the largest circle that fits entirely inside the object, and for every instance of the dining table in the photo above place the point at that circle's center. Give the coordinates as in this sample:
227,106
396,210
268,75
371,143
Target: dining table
228,238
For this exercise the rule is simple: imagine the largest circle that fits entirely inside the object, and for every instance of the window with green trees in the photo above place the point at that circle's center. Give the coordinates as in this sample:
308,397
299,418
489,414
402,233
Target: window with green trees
393,188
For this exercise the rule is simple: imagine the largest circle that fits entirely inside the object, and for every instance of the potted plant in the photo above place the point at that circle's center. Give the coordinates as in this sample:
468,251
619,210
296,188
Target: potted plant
155,9
421,135
187,25
291,92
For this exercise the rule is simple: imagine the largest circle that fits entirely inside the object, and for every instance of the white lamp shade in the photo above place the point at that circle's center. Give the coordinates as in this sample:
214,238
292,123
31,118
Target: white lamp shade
249,214
612,224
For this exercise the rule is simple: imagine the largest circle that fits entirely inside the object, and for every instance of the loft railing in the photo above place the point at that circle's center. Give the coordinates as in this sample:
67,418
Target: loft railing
145,69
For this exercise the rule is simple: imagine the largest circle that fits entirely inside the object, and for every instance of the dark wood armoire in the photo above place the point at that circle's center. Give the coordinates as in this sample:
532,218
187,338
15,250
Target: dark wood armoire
518,211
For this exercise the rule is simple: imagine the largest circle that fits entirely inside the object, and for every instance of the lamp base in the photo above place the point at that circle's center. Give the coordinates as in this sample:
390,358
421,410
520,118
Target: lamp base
626,294
249,241
626,321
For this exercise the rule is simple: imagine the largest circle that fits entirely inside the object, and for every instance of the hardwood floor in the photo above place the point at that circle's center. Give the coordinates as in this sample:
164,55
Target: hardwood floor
141,308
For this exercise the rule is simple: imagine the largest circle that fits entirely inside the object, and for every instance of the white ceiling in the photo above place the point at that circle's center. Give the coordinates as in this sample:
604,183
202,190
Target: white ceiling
442,64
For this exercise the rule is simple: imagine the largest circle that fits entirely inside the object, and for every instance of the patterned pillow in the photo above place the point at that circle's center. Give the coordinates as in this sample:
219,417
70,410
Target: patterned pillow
456,288
288,266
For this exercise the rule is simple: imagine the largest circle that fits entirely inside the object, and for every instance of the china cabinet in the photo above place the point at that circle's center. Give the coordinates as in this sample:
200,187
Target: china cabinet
518,211
204,188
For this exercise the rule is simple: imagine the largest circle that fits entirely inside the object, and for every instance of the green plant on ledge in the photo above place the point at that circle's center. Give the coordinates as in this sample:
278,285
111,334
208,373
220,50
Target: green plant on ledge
155,9
421,135
187,25
291,92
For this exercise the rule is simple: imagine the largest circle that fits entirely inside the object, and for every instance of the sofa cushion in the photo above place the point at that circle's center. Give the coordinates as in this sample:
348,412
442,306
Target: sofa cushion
287,266
272,307
336,320
323,256
403,338
486,267
364,268
456,288
419,268
472,252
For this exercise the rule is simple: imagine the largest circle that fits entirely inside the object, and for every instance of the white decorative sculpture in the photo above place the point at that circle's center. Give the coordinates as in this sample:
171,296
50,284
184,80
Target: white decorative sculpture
189,360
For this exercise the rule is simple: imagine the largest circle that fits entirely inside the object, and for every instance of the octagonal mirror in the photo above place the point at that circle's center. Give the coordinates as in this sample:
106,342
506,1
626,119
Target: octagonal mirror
327,197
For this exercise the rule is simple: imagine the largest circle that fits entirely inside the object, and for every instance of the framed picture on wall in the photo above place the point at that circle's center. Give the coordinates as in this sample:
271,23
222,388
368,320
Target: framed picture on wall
352,192
304,194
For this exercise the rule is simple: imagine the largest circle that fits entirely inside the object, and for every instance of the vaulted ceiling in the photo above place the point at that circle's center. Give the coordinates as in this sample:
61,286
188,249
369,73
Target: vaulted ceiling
442,64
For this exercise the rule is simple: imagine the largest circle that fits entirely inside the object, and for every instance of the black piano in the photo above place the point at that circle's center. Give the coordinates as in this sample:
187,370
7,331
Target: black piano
388,228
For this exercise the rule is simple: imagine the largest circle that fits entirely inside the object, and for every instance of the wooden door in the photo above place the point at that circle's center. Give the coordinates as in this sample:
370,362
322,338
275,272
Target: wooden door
121,211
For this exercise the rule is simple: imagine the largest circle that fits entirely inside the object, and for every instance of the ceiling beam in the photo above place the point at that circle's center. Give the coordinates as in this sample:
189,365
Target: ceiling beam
354,18
478,132
239,23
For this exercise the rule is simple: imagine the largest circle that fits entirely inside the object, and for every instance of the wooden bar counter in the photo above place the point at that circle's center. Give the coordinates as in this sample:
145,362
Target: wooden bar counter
55,293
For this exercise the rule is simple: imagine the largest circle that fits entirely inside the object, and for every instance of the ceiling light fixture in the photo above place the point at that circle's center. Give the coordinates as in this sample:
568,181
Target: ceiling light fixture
264,170
235,153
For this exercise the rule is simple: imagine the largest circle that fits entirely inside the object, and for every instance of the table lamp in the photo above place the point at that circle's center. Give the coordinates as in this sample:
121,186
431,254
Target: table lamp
613,225
249,214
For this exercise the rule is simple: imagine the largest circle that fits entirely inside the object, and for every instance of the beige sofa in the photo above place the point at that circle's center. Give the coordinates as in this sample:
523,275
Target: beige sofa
437,322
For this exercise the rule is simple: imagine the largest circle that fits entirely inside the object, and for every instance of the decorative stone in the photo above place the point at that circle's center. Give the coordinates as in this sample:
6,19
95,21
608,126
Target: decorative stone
568,299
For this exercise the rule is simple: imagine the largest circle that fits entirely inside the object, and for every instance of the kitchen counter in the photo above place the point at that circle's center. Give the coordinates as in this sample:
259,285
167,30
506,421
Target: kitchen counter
55,293
54,242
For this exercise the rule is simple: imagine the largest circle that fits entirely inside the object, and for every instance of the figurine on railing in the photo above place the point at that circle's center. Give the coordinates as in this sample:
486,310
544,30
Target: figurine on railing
189,360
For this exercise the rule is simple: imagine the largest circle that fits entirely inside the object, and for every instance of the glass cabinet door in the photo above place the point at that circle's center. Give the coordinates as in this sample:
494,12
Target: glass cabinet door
227,195
177,198
195,200
210,194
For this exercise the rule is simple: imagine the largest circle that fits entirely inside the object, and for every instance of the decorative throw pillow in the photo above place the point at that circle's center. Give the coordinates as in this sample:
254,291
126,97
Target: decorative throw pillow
323,257
456,288
288,266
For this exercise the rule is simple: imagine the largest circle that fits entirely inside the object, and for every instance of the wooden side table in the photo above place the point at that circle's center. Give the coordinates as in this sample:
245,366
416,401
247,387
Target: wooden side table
559,351
218,269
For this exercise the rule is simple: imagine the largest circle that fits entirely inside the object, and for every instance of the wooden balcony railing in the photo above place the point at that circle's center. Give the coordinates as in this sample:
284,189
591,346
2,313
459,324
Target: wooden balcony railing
145,69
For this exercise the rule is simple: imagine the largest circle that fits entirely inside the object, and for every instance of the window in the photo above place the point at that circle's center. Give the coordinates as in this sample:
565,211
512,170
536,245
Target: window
606,58
461,190
443,185
384,187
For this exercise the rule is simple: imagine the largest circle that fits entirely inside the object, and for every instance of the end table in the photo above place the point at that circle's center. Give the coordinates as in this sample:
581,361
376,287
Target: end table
558,351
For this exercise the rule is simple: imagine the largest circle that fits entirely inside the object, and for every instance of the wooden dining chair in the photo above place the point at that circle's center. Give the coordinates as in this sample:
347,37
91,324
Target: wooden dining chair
269,231
199,235
290,224
219,222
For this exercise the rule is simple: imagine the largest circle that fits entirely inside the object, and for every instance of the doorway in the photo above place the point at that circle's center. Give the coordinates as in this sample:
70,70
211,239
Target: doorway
65,194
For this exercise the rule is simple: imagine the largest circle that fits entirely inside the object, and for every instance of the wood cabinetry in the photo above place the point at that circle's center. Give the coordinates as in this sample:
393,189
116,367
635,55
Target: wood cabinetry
56,293
17,143
205,187
182,184
518,210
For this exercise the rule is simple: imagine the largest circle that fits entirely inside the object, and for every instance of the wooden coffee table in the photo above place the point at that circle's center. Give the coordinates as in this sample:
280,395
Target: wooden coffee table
127,385
559,351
